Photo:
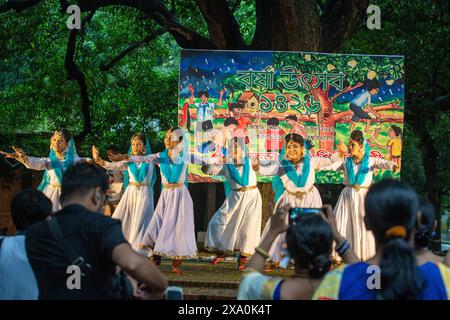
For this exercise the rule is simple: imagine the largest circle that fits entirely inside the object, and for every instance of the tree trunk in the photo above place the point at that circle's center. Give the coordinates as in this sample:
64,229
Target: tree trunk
325,120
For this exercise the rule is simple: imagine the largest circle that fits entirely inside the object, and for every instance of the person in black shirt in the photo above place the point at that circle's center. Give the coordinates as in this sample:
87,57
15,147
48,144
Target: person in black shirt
96,238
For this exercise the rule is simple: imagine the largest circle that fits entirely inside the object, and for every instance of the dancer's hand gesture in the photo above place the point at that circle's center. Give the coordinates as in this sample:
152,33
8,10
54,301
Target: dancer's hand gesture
95,154
18,154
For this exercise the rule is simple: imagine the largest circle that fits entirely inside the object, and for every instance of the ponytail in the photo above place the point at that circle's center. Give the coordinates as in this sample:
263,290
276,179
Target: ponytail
391,209
400,278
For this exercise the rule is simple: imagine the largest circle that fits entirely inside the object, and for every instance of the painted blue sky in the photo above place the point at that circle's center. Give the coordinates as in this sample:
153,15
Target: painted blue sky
205,70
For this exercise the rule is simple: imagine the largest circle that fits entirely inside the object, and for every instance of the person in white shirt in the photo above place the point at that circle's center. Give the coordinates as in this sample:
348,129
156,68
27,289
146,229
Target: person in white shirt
18,281
364,101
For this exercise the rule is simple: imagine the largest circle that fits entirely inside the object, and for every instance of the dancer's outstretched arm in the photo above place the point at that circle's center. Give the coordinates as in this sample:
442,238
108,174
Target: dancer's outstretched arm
268,168
333,163
151,158
28,162
120,165
379,163
212,170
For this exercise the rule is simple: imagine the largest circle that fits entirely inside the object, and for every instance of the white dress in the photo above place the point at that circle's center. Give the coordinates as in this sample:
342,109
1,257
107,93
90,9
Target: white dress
349,210
171,232
53,189
310,197
135,208
236,226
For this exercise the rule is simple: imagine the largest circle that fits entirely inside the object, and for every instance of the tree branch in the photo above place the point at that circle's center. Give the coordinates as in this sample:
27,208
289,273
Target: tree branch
339,21
222,25
262,38
74,73
18,6
131,48
157,11
338,116
349,88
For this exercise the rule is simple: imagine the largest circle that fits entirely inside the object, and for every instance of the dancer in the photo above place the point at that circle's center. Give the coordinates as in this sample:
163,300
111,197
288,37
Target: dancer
135,208
349,210
171,232
236,226
62,155
293,183
115,190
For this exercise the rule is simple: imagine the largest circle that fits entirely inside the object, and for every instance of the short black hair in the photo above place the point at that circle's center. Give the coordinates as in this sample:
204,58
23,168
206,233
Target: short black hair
291,117
273,122
357,136
425,225
229,121
397,130
203,93
28,207
82,177
372,84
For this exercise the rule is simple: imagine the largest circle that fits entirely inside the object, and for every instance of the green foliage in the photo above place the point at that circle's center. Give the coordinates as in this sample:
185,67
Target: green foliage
139,93
419,31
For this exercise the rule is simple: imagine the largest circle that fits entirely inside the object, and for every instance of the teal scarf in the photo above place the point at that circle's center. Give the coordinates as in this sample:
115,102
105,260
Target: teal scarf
56,165
139,174
172,171
298,180
363,170
236,176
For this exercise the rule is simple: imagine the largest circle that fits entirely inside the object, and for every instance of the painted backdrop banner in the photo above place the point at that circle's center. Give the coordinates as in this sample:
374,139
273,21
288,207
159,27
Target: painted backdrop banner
260,96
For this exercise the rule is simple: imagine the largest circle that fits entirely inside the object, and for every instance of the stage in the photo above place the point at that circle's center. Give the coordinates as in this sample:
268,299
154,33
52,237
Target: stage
203,281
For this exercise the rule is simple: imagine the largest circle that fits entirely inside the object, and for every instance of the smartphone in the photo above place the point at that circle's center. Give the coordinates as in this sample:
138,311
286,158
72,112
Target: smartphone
296,213
173,293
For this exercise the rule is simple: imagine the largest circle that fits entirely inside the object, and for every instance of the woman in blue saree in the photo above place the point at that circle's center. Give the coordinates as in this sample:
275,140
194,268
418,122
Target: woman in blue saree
394,272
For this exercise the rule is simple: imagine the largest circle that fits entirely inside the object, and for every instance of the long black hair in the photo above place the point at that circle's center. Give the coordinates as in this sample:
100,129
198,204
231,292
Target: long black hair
309,243
425,226
391,210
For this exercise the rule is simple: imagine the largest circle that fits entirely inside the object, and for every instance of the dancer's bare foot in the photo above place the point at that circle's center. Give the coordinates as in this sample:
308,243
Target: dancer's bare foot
218,259
176,267
242,261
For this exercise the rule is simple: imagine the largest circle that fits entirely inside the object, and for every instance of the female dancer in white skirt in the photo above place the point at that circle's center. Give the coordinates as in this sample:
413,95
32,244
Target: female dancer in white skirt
236,226
62,155
135,208
293,183
349,210
171,232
